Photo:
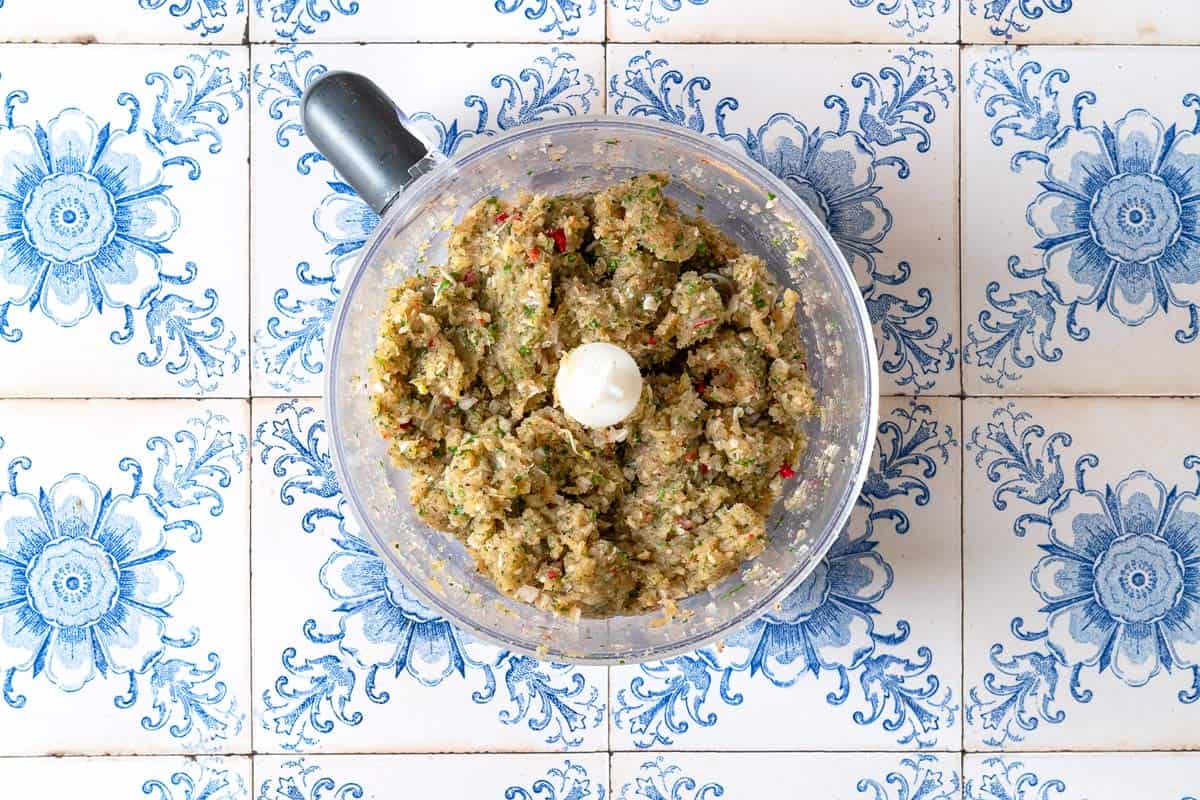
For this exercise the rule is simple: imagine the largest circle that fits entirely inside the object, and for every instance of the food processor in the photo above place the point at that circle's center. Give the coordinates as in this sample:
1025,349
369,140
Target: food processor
420,194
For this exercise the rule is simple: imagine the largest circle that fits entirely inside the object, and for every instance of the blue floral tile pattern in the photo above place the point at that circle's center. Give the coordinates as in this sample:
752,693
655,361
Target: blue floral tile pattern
106,247
95,562
295,298
482,777
1101,776
1112,561
851,155
191,21
870,777
774,21
156,778
357,653
448,21
1110,217
834,650
1078,21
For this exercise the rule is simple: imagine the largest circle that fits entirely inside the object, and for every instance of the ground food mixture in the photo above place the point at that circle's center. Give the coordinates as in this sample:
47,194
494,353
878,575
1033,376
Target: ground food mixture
626,519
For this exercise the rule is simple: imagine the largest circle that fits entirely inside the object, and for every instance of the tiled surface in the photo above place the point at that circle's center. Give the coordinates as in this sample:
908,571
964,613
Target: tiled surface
709,775
1080,544
124,577
1068,269
1018,585
1097,776
136,284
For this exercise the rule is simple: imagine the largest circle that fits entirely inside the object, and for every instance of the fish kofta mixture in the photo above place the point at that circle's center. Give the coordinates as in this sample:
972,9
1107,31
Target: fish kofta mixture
621,520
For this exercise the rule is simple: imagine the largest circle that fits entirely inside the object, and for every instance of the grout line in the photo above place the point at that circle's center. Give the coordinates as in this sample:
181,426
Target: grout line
245,41
250,379
962,433
1191,754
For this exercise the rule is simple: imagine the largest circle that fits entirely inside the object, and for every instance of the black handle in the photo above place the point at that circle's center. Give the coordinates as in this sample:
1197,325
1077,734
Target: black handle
357,127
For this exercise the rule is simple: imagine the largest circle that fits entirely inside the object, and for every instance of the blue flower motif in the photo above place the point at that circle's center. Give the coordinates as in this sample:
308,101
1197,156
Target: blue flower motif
85,582
826,623
645,14
570,782
562,14
1118,220
383,624
208,16
1009,780
346,223
294,18
1009,17
83,217
1121,580
834,173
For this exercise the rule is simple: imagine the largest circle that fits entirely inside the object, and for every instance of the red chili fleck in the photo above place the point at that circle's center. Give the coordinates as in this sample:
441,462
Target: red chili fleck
690,457
405,426
705,321
501,217
535,254
430,343
700,388
786,472
552,574
560,239
652,341
470,278
703,468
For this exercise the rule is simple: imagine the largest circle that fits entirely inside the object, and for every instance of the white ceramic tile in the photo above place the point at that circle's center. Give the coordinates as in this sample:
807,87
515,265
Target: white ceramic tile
309,229
116,264
124,577
83,21
1081,574
1080,21
701,776
866,652
782,21
1096,776
871,146
347,661
156,778
1079,205
443,21
447,777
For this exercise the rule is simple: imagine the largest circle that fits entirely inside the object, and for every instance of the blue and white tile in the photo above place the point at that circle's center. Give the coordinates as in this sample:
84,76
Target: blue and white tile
151,778
124,577
1096,776
346,660
1081,221
865,654
1080,21
783,21
1082,573
449,777
83,21
844,776
427,21
115,262
309,226
872,148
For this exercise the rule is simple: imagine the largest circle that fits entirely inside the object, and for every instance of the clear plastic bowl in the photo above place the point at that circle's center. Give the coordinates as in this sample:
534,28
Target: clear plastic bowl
745,201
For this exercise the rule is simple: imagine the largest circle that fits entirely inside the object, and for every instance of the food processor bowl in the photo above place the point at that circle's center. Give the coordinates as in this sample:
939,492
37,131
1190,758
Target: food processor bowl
583,154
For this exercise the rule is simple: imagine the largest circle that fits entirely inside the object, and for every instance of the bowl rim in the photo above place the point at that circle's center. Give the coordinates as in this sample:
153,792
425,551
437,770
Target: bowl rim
547,650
